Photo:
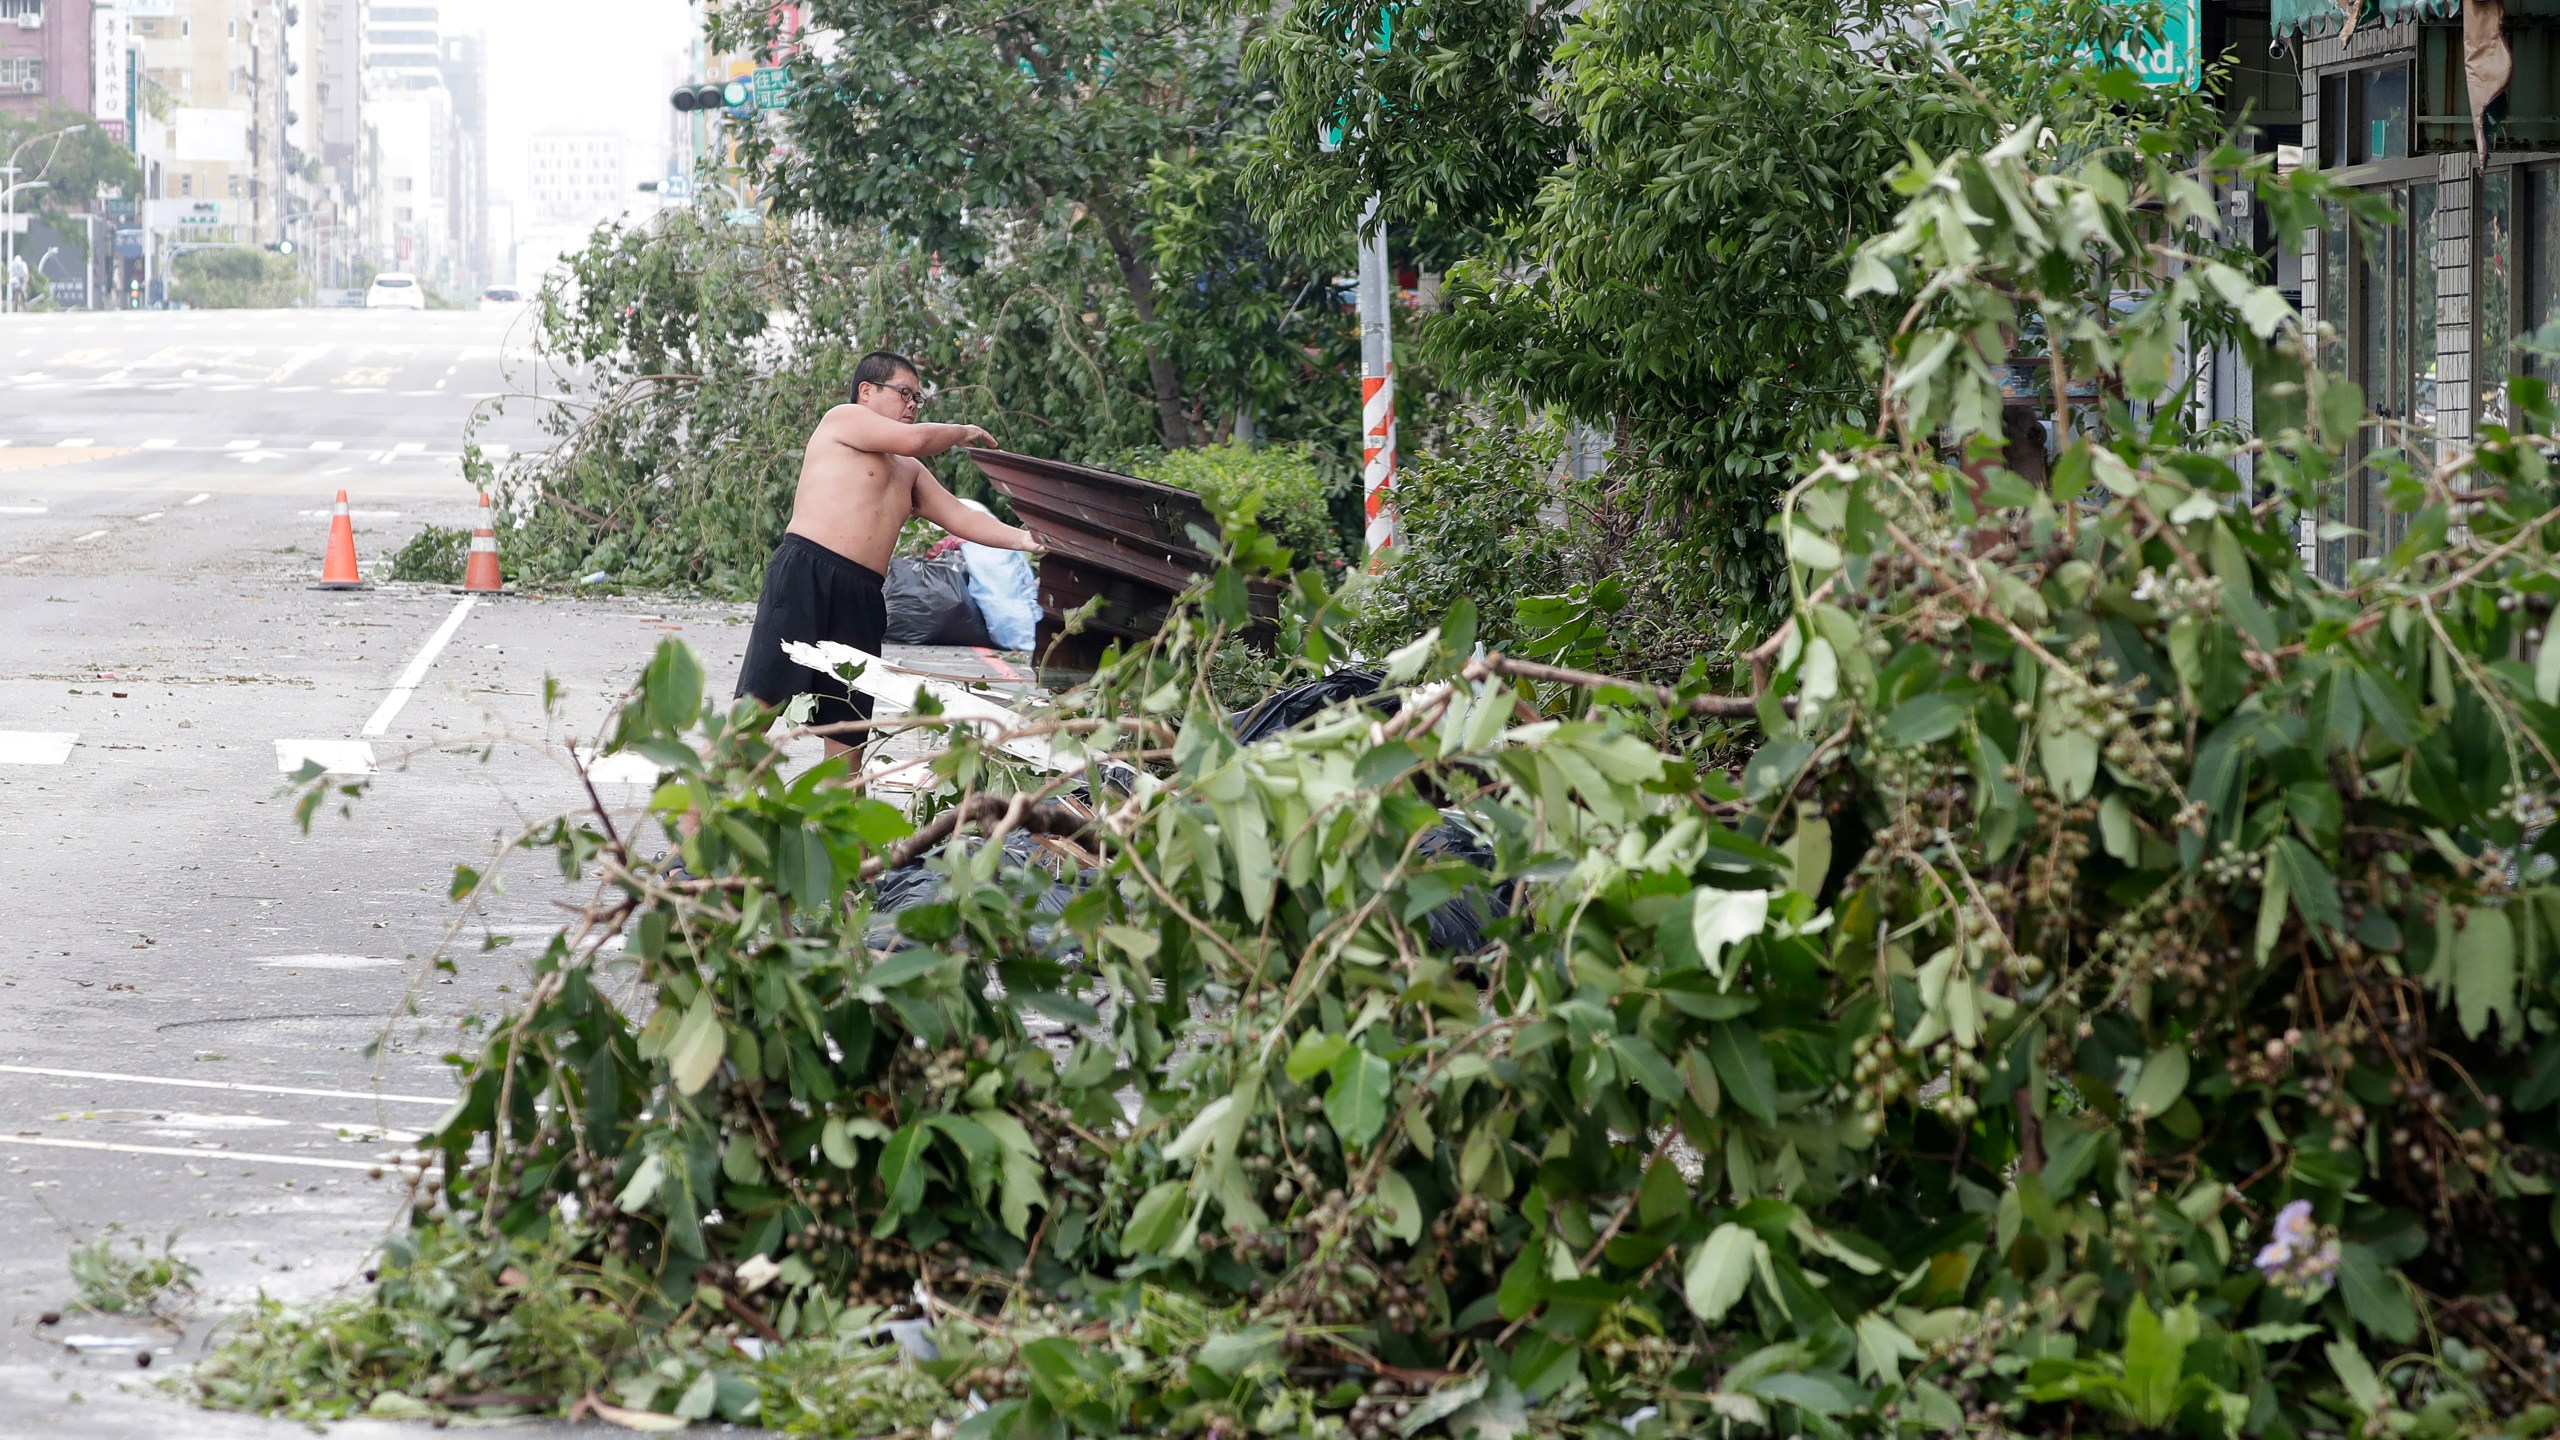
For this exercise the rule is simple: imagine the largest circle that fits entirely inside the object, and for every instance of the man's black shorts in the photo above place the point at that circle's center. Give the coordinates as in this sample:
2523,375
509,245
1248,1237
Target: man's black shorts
811,593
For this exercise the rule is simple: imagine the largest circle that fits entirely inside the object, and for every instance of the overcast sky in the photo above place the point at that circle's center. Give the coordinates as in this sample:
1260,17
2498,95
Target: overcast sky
599,64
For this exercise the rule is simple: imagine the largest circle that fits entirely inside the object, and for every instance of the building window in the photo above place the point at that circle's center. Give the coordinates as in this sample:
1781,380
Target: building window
2378,316
2493,285
401,185
2364,116
21,9
187,183
21,75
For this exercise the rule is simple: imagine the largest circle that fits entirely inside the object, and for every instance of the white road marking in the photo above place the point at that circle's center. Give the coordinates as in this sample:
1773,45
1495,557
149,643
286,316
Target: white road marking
341,470
323,962
154,515
201,1153
327,445
197,499
620,768
242,1086
36,747
82,539
24,510
408,447
241,445
416,674
23,559
338,757
83,443
351,514
159,444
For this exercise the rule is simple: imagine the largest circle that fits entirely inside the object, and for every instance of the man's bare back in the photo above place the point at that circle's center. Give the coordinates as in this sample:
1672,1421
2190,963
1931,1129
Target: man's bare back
861,478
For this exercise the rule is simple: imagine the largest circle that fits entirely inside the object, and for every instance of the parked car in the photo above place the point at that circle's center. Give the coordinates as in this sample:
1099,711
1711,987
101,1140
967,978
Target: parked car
395,291
502,297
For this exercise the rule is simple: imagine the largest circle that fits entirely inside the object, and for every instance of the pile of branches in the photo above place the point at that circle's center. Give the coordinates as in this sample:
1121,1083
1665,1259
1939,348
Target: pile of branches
2115,996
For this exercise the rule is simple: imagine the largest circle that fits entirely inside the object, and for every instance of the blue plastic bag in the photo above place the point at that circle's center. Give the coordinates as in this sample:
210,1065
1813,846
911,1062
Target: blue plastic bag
1007,592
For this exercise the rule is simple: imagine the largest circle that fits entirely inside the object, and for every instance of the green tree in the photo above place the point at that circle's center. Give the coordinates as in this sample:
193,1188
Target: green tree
1669,190
75,169
955,125
237,279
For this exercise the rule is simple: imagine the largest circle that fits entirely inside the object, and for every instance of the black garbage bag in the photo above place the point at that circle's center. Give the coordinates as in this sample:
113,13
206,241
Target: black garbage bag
1278,712
1457,925
915,883
929,604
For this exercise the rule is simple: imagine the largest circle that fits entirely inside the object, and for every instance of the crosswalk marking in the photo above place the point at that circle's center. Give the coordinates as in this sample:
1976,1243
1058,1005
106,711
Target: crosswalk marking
338,757
241,445
36,747
146,519
82,443
326,445
197,499
159,444
84,539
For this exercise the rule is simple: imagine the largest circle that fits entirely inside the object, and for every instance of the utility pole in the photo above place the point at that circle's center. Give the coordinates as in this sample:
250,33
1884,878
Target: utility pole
1377,384
9,224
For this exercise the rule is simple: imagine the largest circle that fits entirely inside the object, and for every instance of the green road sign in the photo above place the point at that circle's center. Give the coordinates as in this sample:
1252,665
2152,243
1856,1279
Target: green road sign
773,87
2175,56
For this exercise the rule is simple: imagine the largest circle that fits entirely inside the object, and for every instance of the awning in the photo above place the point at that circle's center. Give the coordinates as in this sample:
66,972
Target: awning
2328,17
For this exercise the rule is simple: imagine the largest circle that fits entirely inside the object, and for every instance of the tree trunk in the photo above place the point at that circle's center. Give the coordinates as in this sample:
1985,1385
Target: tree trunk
1175,425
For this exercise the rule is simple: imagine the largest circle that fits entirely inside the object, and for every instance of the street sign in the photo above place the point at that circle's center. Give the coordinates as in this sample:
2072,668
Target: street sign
2174,56
746,219
129,243
773,88
678,188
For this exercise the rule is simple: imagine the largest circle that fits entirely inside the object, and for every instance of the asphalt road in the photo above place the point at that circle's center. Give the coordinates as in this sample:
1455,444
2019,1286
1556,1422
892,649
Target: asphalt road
212,1025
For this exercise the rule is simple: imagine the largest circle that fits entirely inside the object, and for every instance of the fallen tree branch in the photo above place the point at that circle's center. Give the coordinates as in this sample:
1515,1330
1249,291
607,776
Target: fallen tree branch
1719,707
980,810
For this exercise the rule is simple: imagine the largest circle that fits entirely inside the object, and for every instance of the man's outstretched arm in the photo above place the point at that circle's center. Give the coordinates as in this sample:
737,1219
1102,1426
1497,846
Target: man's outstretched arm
856,428
945,509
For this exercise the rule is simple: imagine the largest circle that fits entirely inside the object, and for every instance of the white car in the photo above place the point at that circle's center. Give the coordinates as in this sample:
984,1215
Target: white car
502,298
395,291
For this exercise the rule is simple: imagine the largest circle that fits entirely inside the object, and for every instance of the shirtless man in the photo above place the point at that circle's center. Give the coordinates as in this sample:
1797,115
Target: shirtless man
860,479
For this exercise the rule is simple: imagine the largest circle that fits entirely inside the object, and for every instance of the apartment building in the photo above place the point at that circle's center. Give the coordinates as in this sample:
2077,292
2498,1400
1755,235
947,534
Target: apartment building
44,55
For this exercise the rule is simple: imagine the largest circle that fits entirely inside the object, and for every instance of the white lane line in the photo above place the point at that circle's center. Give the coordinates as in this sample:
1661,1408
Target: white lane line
241,445
328,445
154,515
159,444
24,510
242,1086
92,535
416,674
258,1157
82,443
337,757
23,559
197,499
36,747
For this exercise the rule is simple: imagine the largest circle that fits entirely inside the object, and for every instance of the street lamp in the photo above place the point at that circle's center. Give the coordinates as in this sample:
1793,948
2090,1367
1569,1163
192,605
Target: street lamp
9,224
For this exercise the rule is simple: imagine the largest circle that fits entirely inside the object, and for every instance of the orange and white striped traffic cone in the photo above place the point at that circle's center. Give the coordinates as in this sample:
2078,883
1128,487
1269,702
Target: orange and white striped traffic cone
338,568
482,576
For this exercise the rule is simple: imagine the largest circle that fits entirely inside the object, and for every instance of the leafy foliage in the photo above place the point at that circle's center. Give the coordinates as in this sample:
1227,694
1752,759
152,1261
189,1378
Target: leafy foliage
237,280
2116,996
74,170
1290,496
433,556
144,1283
944,123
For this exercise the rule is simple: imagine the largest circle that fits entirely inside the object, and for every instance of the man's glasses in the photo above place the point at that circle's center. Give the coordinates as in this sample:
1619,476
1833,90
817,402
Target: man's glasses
914,396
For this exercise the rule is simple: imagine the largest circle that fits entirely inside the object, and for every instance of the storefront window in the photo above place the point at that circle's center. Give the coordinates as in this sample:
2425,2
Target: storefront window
2541,266
2493,295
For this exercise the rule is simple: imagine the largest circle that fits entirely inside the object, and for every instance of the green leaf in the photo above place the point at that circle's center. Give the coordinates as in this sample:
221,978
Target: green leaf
1699,926
643,1187
1639,1056
2374,1294
1020,1170
1882,1347
837,1145
1356,1101
2546,668
2070,760
1313,1054
2308,883
2355,1372
1720,1270
902,1173
1925,719
2162,1081
1404,1209
672,686
1228,1356
1155,1222
694,1054
1745,1069
2484,972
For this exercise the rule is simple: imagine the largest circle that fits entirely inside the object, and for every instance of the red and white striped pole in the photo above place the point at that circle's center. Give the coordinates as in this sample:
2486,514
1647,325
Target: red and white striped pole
1377,385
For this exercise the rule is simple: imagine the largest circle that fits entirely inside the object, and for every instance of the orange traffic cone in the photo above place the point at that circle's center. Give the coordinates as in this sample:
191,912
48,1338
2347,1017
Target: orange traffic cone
482,576
338,570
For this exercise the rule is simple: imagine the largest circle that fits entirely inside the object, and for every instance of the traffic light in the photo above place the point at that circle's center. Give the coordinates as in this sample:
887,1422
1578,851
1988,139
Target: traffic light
689,98
281,247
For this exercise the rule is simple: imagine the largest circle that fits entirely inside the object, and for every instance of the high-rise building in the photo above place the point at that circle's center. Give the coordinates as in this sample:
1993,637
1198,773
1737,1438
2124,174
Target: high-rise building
578,177
44,56
212,137
425,105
